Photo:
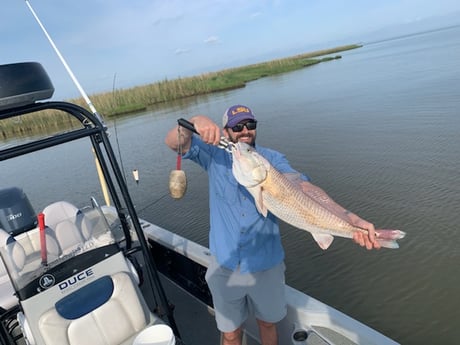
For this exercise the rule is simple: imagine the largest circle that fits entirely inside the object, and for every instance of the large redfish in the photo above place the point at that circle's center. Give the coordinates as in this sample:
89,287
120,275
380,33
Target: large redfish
275,192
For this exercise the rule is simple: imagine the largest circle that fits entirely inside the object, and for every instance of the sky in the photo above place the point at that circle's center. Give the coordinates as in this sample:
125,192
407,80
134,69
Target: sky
125,43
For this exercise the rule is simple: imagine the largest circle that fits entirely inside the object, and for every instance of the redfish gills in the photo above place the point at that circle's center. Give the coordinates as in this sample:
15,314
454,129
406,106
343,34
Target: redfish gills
275,192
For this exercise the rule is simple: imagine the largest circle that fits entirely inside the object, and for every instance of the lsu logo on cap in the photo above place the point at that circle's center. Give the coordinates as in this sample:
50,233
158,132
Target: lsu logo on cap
235,114
240,109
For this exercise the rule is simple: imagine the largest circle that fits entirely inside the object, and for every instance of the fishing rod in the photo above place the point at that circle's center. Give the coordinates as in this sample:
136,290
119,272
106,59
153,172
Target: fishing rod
153,273
82,93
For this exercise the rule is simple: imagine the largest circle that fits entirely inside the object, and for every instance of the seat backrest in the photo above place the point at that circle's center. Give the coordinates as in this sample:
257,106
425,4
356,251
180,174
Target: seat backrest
30,242
108,311
71,228
7,298
13,252
15,258
22,255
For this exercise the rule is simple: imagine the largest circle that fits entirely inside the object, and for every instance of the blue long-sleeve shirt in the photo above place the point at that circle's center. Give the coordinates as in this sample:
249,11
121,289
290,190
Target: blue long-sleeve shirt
239,234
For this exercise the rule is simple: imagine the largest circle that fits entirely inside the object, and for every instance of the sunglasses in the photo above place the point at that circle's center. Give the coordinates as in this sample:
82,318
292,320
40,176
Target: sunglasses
250,125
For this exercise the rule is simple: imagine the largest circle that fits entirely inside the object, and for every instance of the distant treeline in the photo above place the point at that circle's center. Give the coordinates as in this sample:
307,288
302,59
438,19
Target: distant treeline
124,101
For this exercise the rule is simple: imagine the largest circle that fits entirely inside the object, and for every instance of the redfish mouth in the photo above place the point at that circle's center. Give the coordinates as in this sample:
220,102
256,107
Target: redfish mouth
248,169
236,152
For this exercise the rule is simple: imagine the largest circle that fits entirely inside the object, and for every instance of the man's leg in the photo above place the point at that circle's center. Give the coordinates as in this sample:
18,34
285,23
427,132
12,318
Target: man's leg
228,291
268,301
232,338
268,333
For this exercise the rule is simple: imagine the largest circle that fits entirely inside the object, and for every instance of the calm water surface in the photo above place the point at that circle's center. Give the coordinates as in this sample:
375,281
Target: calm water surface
377,129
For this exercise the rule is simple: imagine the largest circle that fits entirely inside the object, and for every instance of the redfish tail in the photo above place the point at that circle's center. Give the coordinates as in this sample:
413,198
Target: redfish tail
387,238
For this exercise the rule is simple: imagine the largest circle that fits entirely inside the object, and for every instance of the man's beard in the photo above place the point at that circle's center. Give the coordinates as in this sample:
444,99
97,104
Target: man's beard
248,138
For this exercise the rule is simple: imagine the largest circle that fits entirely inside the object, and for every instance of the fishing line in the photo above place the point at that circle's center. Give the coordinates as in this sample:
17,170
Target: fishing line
154,202
198,173
118,149
115,128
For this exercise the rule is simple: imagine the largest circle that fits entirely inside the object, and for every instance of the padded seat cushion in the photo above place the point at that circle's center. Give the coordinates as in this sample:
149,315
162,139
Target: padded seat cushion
118,319
86,299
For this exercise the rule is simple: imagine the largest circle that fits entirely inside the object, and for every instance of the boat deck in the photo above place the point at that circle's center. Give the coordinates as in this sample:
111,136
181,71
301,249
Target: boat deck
197,325
194,320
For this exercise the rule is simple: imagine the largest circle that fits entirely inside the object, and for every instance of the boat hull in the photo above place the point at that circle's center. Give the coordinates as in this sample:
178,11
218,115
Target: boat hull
184,262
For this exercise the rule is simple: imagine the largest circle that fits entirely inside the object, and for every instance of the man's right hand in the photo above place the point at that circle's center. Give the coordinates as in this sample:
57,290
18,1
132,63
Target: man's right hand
209,131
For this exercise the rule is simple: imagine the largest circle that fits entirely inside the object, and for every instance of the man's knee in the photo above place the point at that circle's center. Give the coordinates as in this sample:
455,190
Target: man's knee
233,337
266,325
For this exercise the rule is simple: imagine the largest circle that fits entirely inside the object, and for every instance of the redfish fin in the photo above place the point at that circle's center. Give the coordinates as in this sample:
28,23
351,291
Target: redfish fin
392,244
323,240
257,193
387,238
389,234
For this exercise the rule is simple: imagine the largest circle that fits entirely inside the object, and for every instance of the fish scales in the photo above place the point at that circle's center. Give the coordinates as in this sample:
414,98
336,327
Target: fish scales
275,192
289,203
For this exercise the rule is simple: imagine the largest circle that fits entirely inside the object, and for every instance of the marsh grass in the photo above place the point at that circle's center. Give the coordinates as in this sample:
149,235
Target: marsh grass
124,101
45,122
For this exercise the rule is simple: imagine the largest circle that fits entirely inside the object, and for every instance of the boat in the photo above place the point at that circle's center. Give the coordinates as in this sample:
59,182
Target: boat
99,274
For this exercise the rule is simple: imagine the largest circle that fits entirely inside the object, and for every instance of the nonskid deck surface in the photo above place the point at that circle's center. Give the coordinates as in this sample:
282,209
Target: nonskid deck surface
197,325
195,321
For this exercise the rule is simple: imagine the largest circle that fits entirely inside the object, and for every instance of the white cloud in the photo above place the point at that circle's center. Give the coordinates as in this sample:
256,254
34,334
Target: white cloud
180,51
212,40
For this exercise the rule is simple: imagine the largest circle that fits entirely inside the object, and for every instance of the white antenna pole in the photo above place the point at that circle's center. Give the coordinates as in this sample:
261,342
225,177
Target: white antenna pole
69,71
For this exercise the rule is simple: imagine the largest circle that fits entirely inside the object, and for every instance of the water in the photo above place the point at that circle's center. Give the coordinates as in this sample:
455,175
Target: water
377,129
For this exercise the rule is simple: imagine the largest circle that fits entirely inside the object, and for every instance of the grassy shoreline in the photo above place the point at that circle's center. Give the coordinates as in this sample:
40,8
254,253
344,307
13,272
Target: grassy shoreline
125,101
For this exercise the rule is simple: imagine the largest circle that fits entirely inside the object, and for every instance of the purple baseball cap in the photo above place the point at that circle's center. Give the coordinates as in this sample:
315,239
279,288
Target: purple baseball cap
235,114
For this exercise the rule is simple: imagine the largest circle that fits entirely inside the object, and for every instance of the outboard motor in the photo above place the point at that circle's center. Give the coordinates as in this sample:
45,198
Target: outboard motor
16,213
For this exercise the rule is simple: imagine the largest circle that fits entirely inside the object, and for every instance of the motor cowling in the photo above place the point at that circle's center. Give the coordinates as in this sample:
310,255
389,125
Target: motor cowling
16,212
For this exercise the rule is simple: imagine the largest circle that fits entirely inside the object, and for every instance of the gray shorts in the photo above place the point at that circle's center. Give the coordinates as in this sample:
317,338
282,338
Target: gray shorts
235,295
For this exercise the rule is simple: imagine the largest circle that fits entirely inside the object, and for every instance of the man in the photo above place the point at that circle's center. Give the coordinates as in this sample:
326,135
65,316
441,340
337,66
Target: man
246,273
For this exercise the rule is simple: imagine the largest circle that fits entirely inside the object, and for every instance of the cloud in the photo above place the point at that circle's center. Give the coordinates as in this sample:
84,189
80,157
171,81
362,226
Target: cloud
212,40
180,51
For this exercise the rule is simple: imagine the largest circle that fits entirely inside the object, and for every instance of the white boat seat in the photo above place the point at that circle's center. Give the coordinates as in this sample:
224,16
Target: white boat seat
13,251
23,255
107,311
30,243
7,297
71,228
24,250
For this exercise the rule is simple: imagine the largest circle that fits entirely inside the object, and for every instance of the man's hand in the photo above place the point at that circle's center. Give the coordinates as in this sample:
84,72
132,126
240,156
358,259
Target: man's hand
364,240
209,131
